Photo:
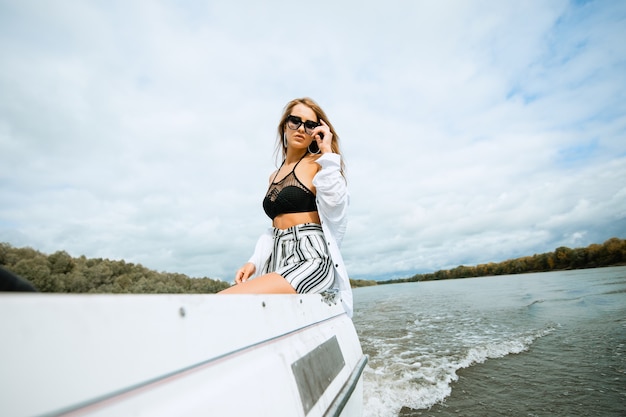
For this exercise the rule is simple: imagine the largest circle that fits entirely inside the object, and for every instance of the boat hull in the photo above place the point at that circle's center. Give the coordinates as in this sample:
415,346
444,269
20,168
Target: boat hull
183,355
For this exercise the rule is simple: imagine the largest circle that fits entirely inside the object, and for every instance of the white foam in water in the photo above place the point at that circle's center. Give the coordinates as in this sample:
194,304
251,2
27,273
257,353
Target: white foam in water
418,336
422,378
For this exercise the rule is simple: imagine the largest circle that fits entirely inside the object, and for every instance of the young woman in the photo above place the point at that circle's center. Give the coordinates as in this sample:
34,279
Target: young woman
307,201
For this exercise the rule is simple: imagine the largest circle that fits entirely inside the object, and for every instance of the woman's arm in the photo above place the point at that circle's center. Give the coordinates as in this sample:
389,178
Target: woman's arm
330,186
332,204
262,251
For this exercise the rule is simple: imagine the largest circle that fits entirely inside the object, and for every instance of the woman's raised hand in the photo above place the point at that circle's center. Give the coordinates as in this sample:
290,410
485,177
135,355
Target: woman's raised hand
323,142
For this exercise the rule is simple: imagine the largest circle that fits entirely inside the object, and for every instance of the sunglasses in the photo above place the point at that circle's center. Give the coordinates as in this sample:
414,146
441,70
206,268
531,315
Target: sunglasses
294,123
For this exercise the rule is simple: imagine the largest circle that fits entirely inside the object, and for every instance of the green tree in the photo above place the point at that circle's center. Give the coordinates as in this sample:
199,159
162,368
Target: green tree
563,257
61,262
37,271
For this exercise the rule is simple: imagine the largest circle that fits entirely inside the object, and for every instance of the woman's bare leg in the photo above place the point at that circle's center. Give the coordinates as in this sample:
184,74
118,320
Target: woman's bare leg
266,284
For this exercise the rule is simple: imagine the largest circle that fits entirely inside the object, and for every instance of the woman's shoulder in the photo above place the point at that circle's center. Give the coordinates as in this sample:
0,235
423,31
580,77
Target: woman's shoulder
326,158
273,175
311,160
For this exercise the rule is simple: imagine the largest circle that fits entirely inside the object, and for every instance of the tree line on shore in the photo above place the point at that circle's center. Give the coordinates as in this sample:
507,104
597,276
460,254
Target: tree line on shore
60,272
612,252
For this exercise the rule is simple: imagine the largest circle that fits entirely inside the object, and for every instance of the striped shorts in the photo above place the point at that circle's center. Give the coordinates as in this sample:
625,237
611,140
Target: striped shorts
300,255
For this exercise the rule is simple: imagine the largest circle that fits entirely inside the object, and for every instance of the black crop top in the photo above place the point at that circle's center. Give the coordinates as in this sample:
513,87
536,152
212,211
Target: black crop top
288,195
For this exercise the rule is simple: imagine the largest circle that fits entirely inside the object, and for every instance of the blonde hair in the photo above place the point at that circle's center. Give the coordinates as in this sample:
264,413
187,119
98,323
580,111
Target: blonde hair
310,103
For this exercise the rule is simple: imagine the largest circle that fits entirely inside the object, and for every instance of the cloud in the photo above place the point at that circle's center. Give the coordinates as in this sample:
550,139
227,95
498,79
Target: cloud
472,131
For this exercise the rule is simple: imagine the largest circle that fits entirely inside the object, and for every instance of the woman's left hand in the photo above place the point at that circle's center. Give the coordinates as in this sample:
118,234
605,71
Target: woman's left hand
323,142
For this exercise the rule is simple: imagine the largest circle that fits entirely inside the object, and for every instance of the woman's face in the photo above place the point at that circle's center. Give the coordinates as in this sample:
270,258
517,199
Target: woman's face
299,138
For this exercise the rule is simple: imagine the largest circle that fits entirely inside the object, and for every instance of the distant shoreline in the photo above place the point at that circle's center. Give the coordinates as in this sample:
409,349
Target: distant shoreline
610,253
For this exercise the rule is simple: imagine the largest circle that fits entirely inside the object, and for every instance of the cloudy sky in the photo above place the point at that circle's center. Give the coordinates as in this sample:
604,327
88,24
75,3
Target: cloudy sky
473,131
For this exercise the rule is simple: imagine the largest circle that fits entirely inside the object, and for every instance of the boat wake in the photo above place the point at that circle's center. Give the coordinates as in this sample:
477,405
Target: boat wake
420,377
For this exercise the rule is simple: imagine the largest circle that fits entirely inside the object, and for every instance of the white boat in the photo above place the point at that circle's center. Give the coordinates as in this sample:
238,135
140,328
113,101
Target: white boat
178,355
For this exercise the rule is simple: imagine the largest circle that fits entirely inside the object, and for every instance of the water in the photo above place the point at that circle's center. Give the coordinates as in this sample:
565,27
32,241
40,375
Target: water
522,345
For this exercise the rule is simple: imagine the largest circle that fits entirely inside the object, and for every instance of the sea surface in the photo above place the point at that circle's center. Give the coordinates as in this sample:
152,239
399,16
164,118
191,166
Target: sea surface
545,344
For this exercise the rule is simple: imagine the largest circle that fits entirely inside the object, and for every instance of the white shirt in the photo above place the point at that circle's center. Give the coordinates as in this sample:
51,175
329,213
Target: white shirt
332,201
